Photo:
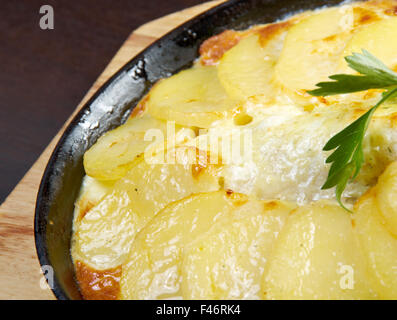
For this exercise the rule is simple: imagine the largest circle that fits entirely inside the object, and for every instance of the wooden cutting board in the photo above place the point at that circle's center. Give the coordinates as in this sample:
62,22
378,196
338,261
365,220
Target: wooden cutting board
20,273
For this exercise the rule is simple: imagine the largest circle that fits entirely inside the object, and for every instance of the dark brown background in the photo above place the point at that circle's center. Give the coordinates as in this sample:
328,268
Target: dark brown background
45,73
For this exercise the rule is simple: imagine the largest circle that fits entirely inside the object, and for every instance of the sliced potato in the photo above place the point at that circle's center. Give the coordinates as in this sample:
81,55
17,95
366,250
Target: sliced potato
113,154
91,193
247,69
227,262
193,97
312,48
386,197
153,268
378,39
104,236
105,232
316,256
379,245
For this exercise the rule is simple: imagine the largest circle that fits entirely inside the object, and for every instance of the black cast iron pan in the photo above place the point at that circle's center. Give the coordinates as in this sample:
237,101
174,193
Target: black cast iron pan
110,107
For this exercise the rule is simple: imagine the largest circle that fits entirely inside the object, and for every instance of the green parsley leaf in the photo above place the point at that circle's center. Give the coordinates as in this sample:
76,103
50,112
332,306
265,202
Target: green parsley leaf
375,75
348,156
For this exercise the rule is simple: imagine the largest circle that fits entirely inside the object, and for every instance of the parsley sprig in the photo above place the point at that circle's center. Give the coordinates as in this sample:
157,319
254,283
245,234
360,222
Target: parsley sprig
348,156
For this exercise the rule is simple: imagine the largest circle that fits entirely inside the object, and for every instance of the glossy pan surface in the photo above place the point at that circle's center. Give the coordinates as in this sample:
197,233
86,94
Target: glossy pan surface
110,107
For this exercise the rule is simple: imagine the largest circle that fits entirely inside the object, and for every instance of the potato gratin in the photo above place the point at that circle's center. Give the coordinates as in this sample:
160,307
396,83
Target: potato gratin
212,188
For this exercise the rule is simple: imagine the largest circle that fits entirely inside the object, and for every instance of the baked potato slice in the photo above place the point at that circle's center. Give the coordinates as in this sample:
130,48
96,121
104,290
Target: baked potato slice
112,155
310,53
153,267
227,262
316,256
105,233
386,198
378,39
91,193
379,246
193,97
246,70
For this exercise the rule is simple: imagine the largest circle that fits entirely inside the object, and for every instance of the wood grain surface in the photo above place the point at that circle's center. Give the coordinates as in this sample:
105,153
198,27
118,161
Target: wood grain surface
20,273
